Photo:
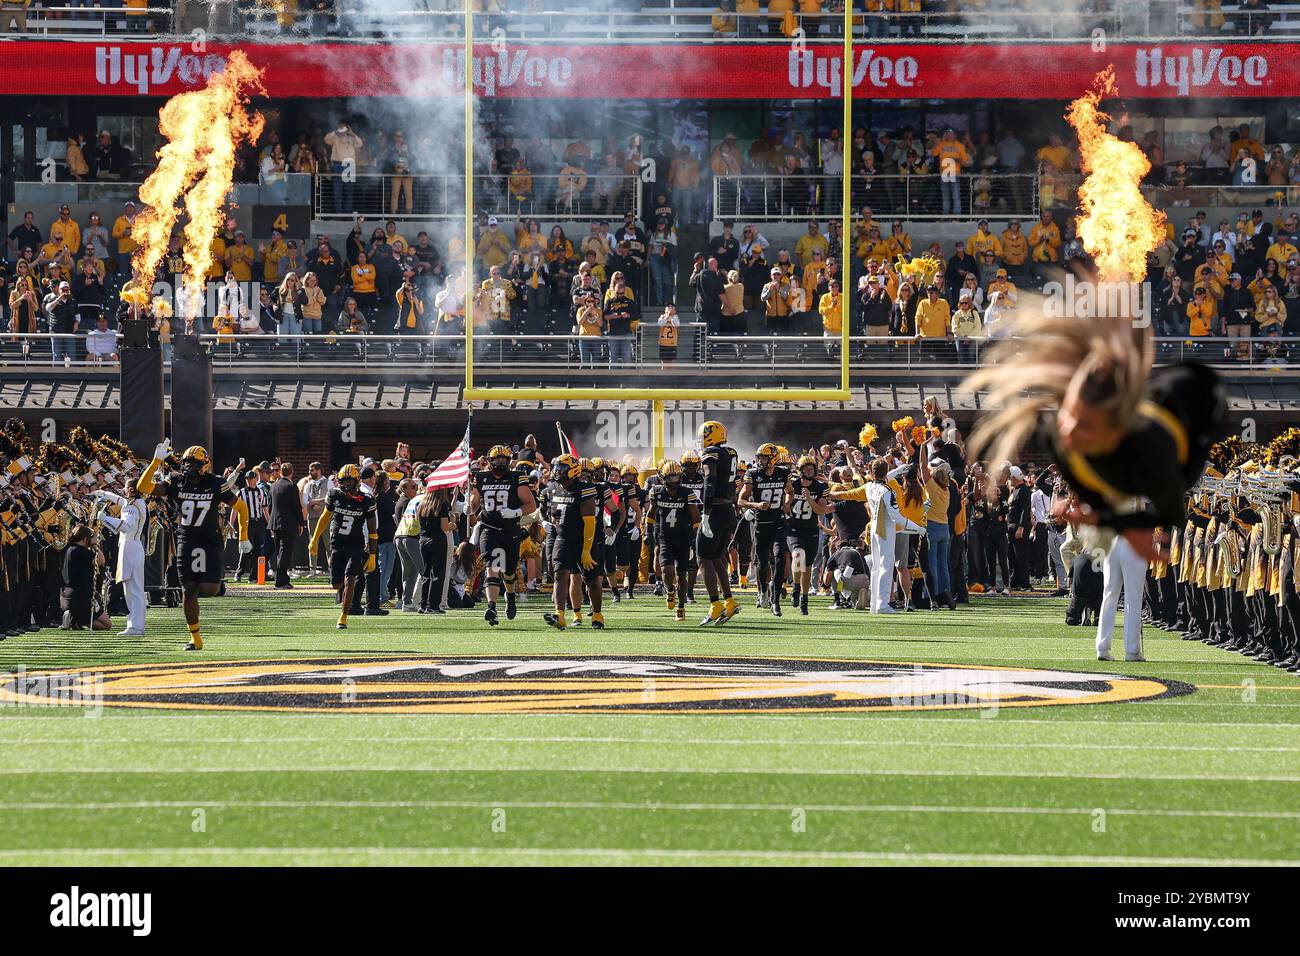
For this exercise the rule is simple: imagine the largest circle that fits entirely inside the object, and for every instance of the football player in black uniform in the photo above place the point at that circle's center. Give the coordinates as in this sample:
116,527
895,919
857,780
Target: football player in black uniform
613,514
717,521
805,501
574,505
353,520
692,479
197,495
674,512
501,499
627,545
764,493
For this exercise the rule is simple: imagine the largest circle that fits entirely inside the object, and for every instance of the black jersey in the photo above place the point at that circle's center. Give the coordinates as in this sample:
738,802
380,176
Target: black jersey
566,507
671,508
348,513
694,482
802,517
1161,455
770,489
720,465
198,507
498,493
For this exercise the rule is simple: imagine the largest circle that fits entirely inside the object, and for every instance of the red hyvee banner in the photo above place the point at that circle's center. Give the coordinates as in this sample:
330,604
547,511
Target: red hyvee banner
661,71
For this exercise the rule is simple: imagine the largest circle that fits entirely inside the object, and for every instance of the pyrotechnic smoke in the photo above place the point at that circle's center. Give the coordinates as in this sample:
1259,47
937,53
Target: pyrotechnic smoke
1116,225
204,128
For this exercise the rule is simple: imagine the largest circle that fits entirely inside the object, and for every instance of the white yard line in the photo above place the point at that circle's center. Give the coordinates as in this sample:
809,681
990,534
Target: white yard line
621,806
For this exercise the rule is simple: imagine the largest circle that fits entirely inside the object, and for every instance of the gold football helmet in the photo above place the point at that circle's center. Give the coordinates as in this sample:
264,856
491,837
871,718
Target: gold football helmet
712,433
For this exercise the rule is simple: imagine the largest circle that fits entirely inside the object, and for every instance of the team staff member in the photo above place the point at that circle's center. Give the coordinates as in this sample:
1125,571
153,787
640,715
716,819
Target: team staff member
354,535
717,520
197,495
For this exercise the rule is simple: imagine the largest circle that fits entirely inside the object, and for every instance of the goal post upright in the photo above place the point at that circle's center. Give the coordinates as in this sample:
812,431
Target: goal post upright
658,396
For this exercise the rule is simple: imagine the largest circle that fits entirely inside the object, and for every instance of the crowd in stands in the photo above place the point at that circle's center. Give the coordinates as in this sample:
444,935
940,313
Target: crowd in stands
529,277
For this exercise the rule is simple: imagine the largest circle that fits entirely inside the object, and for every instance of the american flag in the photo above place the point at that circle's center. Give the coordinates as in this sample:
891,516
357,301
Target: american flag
454,470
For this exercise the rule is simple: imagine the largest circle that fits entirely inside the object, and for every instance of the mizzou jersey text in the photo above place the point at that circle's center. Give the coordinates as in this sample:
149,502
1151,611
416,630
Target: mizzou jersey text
348,514
498,494
671,510
198,508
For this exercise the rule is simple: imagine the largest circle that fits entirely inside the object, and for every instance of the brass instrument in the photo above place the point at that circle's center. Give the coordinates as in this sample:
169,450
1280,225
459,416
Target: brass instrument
1229,546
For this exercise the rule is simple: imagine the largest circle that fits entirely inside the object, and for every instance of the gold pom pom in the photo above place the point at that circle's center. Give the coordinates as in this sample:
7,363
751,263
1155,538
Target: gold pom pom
867,435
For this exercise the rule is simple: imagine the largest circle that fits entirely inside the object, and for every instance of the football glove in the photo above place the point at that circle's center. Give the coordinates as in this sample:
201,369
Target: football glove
245,547
510,512
162,449
587,561
704,527
371,561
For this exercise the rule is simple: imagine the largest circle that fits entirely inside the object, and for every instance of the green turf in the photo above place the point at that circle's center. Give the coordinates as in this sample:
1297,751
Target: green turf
1210,777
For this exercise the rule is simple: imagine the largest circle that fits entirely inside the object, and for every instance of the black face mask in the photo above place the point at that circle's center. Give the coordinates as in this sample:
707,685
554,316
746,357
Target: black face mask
500,470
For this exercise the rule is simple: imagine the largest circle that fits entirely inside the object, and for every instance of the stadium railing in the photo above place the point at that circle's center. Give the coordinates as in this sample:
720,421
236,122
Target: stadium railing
595,21
774,197
73,21
698,352
443,196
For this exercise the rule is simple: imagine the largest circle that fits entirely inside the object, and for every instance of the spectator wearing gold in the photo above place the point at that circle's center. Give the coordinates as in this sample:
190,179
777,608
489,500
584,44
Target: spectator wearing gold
364,276
830,309
1201,312
776,302
78,168
983,241
684,176
1015,248
900,243
810,241
64,231
1002,283
570,186
1244,141
272,254
531,240
933,322
493,298
871,246
493,246
520,183
240,258
1045,240
813,272
1281,251
951,158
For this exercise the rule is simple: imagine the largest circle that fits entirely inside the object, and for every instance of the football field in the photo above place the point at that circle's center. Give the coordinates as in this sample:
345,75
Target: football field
414,739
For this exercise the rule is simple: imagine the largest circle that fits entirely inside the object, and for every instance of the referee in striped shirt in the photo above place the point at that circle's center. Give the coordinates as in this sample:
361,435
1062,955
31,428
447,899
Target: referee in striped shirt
259,516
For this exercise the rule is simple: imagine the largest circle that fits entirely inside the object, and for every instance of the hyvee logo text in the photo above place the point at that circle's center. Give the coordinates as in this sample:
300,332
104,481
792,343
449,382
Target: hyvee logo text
77,909
1202,68
807,68
113,67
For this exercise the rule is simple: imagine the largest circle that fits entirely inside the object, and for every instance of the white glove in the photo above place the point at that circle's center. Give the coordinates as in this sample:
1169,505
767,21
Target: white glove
636,534
609,540
162,449
458,508
245,547
103,494
510,512
704,527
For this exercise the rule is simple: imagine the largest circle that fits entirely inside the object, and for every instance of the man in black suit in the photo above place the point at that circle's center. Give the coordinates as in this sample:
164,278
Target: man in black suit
1019,523
288,519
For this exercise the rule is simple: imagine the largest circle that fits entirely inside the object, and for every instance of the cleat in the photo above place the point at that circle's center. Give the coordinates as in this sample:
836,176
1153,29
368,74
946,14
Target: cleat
511,608
1135,658
680,614
776,608
195,644
340,626
659,590
671,602
803,605
1104,657
730,608
597,624
617,598
554,621
690,597
490,615
577,622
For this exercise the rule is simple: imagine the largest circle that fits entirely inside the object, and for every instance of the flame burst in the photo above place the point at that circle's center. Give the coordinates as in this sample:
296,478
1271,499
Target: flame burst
203,128
1117,225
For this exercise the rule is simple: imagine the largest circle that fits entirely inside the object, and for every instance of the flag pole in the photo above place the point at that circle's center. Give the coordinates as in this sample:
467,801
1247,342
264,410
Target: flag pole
559,439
